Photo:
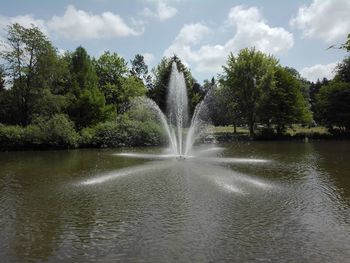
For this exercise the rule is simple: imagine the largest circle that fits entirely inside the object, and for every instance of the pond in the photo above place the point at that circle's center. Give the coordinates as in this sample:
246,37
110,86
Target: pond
257,202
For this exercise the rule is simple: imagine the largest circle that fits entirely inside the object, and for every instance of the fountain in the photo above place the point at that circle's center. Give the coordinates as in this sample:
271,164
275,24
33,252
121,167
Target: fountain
181,140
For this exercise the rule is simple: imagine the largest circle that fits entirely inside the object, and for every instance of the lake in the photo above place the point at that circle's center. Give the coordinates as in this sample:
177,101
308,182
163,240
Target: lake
239,202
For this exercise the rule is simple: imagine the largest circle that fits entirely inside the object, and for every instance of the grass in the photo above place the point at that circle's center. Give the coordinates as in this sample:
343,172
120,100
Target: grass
305,130
228,129
296,129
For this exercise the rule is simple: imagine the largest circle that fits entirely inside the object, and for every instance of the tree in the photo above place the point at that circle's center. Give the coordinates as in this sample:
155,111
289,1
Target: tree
333,103
87,102
2,79
314,91
161,73
117,86
131,87
110,69
89,109
346,45
82,71
248,77
285,104
26,51
333,99
343,70
139,69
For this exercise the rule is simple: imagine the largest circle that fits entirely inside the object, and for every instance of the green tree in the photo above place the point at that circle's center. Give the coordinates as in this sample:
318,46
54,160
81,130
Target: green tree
89,109
131,87
333,103
110,69
343,70
82,71
2,79
117,86
346,45
249,76
87,102
285,104
26,53
333,99
162,72
139,69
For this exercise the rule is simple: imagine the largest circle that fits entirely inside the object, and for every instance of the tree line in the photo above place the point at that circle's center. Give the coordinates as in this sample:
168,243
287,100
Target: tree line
256,89
73,99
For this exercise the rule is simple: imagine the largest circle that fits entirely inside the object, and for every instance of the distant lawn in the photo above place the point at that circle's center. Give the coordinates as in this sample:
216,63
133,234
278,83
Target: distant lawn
297,129
228,129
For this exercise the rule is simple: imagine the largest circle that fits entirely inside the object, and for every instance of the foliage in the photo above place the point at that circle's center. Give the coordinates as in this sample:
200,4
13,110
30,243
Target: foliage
343,70
89,108
285,104
82,71
56,132
117,87
334,105
248,77
11,136
45,97
124,132
29,56
346,45
139,69
162,72
2,79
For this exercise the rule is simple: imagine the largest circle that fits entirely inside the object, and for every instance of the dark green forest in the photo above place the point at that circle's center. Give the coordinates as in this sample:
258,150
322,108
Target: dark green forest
52,100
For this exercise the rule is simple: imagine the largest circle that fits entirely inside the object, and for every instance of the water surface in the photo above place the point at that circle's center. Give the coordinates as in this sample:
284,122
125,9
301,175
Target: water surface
95,206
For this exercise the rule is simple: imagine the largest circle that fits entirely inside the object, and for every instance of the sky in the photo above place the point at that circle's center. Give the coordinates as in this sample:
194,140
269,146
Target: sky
201,32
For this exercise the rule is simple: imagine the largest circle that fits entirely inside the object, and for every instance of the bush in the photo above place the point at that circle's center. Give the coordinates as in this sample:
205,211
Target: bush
123,132
33,136
108,134
11,136
144,133
59,132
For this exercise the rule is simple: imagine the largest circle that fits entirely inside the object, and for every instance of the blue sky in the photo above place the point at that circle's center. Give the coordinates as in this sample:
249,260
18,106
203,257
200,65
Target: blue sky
202,33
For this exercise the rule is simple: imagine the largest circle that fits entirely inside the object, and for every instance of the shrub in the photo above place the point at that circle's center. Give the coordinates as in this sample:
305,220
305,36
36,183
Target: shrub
56,132
11,136
33,136
108,134
59,131
123,132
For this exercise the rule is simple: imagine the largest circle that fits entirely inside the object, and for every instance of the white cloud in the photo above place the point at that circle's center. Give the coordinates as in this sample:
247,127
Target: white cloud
163,11
324,19
148,58
25,20
319,71
78,24
251,30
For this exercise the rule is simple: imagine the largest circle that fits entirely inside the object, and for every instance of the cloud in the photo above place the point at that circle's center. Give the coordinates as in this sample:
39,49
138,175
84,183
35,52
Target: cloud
319,71
148,58
78,24
251,29
324,19
24,20
163,11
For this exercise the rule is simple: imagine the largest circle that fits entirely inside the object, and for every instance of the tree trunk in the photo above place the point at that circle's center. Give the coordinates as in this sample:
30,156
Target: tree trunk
251,129
234,128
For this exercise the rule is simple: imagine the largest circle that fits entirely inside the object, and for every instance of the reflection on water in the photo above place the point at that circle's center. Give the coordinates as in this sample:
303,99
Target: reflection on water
93,205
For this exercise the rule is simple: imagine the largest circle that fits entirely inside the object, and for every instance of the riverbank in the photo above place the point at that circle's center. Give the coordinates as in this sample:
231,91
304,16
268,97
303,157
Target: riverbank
59,134
296,132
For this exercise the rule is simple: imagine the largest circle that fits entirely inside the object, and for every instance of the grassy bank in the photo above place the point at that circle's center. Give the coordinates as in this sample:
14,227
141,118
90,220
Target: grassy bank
296,132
